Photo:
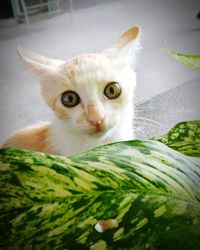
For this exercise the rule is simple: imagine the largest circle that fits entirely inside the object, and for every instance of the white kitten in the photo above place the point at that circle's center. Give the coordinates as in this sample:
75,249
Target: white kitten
91,95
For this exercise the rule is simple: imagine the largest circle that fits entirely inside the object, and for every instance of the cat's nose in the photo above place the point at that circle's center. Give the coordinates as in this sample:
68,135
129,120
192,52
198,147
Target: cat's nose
95,117
97,124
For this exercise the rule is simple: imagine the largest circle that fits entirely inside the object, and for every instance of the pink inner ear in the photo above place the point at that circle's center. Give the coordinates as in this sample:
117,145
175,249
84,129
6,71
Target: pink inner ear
38,64
38,68
127,37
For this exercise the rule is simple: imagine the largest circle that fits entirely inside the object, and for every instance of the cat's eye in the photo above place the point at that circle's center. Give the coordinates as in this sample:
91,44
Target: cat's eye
112,90
70,99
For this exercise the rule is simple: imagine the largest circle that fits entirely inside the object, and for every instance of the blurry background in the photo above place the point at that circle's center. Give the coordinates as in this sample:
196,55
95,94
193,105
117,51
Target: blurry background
62,29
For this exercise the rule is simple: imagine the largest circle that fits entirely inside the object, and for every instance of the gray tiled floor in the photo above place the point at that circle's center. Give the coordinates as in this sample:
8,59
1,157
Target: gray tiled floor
165,23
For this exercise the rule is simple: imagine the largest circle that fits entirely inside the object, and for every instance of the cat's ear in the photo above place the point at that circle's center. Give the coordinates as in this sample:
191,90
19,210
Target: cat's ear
126,47
41,66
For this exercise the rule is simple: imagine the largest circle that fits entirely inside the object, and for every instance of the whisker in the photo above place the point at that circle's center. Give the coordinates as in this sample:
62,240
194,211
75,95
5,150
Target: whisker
137,130
138,101
148,124
148,119
144,108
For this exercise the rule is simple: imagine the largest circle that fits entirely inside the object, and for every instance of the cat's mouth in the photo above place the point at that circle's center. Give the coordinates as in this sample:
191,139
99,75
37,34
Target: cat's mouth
100,130
96,130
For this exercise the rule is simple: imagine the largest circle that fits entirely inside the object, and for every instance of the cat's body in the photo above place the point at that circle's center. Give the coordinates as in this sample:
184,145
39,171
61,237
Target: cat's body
91,96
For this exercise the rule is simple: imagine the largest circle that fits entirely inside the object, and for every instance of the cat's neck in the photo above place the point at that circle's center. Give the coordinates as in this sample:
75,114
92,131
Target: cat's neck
67,142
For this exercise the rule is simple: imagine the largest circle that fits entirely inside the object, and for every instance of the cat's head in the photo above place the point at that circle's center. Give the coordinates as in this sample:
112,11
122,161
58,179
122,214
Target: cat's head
91,93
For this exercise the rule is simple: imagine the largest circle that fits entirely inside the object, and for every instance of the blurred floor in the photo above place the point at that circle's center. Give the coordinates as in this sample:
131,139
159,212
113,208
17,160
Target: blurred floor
158,115
97,24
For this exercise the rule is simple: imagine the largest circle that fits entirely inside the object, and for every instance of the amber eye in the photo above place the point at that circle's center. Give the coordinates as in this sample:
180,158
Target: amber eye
112,90
70,99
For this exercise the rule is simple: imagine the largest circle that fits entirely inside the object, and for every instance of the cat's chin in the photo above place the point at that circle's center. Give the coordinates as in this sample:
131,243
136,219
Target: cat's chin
95,134
98,133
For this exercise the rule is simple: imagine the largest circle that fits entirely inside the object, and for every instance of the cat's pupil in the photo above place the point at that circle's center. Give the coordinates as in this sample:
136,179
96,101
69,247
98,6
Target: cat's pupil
111,90
70,97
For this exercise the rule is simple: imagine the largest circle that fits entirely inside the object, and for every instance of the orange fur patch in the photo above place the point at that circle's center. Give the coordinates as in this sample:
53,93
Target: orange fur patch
35,139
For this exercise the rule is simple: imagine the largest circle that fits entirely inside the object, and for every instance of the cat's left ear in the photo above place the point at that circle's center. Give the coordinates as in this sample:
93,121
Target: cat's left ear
126,47
41,66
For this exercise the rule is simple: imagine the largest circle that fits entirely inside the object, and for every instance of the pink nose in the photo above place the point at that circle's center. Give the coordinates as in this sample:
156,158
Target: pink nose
95,117
97,124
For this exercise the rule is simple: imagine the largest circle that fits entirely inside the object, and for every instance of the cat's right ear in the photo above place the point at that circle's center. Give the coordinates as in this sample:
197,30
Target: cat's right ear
41,66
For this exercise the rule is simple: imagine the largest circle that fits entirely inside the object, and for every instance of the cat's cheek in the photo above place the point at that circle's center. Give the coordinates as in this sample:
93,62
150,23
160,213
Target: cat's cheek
113,121
80,121
82,125
60,111
81,118
61,115
126,98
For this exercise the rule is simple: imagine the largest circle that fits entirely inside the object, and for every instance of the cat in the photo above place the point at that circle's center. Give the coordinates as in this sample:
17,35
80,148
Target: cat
92,96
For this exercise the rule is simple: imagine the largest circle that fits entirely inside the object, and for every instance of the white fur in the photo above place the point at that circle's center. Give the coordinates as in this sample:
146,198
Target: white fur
72,131
67,141
70,137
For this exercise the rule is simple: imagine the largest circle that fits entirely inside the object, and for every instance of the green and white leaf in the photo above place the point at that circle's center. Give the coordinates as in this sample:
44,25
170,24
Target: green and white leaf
190,61
53,202
184,137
